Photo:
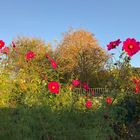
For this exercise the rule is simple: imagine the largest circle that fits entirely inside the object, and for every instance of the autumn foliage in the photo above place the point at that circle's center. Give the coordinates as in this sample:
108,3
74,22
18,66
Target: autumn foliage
79,54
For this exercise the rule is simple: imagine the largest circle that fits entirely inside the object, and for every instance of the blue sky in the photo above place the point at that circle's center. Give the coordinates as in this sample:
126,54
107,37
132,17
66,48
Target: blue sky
48,19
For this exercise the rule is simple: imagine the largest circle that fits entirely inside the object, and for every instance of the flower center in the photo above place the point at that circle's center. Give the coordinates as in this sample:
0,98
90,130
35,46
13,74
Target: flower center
130,46
53,87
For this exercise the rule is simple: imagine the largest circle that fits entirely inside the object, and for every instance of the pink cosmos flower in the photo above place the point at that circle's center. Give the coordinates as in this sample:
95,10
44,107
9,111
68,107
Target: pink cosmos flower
113,44
85,86
131,46
1,44
29,55
92,92
135,80
108,100
88,104
53,63
76,83
47,56
53,87
13,44
137,88
5,50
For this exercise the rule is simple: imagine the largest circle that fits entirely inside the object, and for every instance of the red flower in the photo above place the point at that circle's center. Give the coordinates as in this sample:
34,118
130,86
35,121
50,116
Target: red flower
131,46
53,87
47,56
137,89
76,83
113,44
13,44
92,92
108,100
5,50
135,80
85,86
53,63
88,104
29,55
1,44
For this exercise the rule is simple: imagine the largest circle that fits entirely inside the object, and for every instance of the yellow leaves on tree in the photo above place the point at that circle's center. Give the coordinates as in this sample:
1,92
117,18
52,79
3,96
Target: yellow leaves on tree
80,54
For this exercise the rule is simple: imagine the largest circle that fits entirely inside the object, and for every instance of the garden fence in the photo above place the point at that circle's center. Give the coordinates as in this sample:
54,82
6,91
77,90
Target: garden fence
97,91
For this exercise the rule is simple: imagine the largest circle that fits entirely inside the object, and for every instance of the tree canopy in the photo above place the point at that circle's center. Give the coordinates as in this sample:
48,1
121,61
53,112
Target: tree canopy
79,54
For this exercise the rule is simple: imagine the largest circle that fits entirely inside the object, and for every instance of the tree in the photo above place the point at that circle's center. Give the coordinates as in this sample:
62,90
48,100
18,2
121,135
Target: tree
23,45
80,55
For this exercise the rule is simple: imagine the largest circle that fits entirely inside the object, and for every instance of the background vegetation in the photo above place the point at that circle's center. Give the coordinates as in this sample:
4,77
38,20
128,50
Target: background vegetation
29,111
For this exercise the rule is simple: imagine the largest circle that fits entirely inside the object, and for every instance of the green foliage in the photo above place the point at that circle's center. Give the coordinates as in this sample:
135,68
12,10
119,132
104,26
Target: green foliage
29,111
40,122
